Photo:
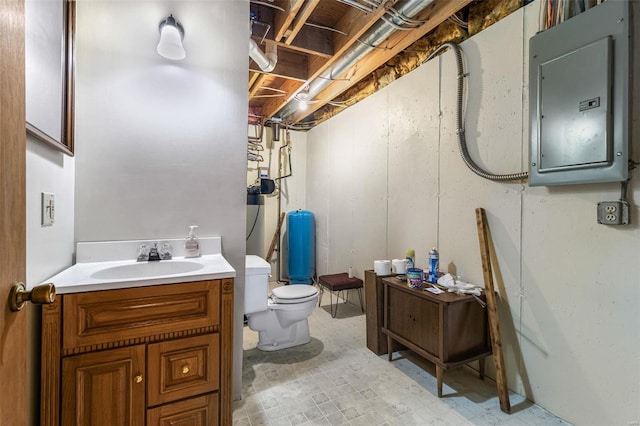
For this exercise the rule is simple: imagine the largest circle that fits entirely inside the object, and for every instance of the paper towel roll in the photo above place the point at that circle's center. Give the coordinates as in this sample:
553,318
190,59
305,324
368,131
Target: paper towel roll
382,267
399,266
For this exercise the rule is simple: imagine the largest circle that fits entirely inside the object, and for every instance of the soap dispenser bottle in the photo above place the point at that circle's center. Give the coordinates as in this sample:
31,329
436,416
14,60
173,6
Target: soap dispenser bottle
191,244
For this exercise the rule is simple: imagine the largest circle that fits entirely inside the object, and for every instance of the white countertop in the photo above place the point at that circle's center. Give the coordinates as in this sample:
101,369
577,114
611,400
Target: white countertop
116,274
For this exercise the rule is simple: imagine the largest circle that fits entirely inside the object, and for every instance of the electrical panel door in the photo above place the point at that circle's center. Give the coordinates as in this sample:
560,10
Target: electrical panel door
579,98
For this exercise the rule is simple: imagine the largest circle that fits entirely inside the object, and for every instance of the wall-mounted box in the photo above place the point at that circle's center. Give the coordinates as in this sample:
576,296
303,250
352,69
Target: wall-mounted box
579,92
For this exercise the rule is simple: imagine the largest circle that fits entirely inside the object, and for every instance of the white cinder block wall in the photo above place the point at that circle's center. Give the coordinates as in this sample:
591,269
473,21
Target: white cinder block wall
386,175
161,145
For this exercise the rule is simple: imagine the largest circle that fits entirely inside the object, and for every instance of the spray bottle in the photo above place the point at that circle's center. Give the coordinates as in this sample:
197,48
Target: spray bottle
434,260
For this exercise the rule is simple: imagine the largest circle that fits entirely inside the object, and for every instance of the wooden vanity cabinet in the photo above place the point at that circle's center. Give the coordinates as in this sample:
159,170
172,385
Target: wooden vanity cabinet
156,355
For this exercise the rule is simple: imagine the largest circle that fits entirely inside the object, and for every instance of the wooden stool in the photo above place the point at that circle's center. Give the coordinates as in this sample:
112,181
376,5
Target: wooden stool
338,283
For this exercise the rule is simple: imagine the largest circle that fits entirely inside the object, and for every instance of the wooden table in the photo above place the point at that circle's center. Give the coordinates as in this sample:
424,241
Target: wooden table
449,330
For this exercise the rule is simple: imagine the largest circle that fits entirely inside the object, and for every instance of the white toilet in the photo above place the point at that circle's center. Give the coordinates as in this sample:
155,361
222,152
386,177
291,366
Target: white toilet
280,318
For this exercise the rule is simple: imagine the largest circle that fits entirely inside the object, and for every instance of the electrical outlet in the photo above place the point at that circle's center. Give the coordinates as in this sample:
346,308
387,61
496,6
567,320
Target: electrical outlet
613,213
48,209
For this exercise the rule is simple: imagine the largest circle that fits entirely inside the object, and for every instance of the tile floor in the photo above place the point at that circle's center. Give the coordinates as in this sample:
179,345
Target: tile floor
336,380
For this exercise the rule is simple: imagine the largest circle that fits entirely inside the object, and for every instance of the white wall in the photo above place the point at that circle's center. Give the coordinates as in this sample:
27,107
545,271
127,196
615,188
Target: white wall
49,249
160,144
386,175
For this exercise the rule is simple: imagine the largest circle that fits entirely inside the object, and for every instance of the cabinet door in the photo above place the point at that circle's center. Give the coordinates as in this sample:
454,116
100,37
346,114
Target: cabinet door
201,411
104,388
414,318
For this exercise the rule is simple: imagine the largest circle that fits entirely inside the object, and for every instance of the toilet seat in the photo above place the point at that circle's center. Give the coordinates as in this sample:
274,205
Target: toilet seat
294,293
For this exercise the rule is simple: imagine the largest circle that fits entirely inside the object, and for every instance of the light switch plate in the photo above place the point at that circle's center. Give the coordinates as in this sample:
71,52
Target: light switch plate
48,209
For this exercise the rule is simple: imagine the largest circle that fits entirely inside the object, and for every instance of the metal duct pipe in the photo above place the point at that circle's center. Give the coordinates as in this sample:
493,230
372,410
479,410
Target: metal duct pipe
378,33
266,62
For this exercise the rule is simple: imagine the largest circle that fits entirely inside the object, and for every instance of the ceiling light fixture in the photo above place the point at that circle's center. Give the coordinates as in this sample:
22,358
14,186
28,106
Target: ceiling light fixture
303,98
171,35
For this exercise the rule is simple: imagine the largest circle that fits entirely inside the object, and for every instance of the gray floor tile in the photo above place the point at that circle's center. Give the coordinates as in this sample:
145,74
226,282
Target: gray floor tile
336,380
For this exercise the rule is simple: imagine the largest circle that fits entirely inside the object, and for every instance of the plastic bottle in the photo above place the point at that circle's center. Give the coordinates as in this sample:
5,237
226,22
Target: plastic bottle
411,259
191,243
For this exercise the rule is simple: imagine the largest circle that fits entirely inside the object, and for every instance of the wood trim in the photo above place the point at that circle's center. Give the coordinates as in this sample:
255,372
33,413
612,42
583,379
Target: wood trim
70,78
142,340
67,117
226,351
50,364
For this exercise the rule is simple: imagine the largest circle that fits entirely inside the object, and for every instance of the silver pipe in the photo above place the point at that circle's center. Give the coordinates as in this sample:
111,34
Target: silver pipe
266,61
378,33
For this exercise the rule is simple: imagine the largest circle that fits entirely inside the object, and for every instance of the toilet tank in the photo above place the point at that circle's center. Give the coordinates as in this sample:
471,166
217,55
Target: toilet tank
256,287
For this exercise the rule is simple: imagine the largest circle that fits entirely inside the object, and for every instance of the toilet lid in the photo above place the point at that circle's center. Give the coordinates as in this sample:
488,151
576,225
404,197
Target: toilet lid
293,293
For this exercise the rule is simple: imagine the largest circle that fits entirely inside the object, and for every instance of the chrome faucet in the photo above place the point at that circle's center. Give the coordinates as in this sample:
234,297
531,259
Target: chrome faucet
154,253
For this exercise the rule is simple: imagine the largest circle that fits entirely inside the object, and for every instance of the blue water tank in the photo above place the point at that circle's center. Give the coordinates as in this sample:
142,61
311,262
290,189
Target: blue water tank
301,243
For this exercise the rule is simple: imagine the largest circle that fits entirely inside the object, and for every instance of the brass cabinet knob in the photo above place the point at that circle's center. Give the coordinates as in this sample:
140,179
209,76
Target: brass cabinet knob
43,294
138,378
185,369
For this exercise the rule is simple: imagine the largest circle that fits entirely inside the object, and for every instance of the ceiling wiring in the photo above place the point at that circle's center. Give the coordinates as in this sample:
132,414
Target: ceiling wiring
267,4
324,27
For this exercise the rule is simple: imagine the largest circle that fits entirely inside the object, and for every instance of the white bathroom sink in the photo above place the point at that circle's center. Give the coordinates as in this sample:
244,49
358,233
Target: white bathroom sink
147,270
100,272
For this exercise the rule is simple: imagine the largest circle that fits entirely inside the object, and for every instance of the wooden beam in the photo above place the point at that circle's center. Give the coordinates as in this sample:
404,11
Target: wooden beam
492,310
253,76
303,49
257,84
291,65
301,18
354,23
434,15
283,20
314,40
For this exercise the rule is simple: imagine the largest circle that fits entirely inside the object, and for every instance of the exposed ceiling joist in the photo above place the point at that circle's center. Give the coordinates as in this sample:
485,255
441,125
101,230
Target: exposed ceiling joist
434,15
292,65
300,19
283,20
321,45
355,23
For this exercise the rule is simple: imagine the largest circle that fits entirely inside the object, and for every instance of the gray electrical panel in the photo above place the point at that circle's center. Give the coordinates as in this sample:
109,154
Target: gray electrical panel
579,91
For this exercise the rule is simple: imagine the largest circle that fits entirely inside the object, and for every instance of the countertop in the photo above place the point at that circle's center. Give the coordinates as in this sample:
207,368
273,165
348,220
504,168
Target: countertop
109,266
